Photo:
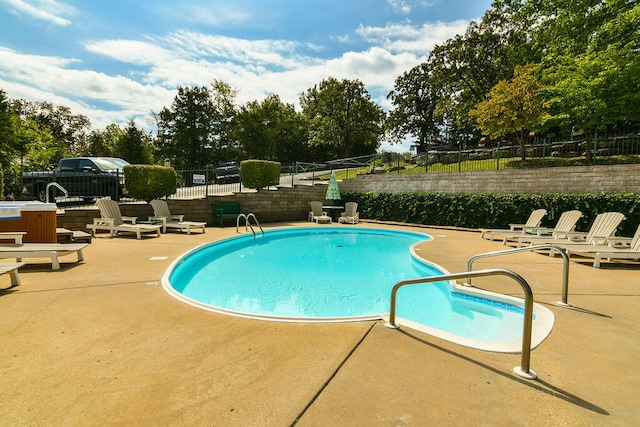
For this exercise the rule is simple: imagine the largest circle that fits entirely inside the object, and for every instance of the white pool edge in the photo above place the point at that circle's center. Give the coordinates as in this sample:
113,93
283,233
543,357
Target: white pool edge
542,325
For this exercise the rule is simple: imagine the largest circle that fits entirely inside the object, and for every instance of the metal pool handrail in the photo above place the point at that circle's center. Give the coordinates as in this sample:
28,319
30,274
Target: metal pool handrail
565,272
248,223
522,370
58,186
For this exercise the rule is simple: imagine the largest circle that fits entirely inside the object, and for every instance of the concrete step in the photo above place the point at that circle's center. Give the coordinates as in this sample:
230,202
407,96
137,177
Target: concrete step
72,236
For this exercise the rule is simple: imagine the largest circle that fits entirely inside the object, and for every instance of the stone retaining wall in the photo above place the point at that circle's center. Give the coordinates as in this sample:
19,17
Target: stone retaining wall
569,180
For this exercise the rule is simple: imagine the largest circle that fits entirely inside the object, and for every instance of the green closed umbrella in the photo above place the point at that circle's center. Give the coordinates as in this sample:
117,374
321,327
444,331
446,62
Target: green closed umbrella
333,193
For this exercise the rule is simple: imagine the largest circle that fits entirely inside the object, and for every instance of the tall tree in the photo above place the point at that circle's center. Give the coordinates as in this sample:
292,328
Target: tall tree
7,146
467,66
134,145
68,130
271,130
224,145
35,145
6,131
184,132
196,130
589,55
343,120
414,98
601,85
102,143
512,107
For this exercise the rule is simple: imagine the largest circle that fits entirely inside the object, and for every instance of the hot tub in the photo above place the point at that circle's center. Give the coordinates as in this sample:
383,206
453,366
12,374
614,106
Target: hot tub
36,218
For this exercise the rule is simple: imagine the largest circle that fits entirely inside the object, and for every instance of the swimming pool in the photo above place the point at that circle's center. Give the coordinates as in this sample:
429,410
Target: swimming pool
337,274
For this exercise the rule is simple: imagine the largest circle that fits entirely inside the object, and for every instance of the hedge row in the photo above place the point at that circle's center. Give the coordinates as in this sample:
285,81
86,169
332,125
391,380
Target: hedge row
148,182
259,173
493,210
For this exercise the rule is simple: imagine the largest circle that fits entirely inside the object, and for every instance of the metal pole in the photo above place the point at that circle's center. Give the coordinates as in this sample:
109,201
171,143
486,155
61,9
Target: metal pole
293,174
523,369
206,181
563,253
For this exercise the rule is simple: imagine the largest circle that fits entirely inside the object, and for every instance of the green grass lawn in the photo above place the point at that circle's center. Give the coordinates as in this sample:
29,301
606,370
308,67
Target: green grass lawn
489,164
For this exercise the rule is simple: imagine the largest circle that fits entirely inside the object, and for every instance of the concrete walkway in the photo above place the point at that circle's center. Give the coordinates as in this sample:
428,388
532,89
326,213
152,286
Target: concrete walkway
101,343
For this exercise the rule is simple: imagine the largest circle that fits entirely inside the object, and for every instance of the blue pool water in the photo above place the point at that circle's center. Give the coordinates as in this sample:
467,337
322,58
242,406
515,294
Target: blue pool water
331,273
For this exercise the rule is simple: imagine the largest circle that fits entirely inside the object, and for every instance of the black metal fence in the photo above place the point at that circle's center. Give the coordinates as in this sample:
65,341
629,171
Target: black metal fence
539,152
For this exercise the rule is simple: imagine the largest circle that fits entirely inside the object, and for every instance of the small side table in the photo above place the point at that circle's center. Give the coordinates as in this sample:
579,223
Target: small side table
334,211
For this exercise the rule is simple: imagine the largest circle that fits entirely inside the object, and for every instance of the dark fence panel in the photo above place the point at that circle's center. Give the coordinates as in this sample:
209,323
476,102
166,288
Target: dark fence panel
194,183
537,152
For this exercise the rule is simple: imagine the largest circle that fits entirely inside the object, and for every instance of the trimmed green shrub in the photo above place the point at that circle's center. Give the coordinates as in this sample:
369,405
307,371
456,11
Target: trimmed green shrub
493,210
259,173
148,182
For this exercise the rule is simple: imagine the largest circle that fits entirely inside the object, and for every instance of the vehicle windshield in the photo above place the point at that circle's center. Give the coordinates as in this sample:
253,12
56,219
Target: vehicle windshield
228,164
110,163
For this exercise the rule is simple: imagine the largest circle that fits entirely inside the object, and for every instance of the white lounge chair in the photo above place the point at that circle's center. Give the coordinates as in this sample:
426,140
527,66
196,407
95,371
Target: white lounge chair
610,251
317,214
112,221
16,236
566,223
43,250
162,214
350,214
12,269
603,228
533,222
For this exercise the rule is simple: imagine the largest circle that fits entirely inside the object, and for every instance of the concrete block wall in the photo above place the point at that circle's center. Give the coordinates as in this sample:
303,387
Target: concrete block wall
569,180
284,204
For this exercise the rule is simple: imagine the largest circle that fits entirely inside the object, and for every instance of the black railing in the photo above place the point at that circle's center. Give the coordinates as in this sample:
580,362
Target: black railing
538,152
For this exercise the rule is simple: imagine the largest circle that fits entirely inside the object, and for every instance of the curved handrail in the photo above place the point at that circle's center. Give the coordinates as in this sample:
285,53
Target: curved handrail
251,215
58,186
247,223
565,272
522,370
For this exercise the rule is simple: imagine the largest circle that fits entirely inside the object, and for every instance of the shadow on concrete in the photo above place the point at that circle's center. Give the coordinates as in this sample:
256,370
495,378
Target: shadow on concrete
537,384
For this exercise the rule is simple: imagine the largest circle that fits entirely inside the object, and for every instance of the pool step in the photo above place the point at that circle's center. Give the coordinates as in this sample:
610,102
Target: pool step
64,235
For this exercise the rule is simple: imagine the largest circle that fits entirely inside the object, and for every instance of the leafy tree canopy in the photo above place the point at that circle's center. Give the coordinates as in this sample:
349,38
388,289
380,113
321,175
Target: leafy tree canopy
343,120
414,98
195,131
512,107
271,130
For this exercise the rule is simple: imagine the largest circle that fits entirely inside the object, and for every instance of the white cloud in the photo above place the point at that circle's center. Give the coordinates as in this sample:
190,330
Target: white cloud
406,6
257,68
47,10
217,14
405,37
42,78
400,6
130,51
273,53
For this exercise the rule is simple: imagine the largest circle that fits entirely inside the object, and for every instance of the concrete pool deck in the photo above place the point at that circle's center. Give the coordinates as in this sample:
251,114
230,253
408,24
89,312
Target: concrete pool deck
101,343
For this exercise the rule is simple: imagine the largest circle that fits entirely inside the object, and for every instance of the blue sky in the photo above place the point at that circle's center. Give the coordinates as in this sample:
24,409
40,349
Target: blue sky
118,60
